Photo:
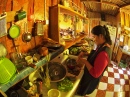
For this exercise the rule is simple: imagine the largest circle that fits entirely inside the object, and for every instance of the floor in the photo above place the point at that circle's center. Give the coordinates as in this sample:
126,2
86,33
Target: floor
114,83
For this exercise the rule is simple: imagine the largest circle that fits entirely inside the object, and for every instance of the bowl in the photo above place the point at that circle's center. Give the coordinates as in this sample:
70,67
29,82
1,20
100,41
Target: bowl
71,63
29,59
57,71
53,93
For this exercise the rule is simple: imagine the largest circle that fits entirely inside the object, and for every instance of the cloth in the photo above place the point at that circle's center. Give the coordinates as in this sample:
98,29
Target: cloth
88,82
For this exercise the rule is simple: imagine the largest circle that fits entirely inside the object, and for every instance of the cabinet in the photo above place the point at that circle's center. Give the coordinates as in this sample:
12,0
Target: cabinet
54,20
122,54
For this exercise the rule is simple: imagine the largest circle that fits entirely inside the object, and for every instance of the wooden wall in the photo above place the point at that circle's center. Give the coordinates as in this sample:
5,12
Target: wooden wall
39,14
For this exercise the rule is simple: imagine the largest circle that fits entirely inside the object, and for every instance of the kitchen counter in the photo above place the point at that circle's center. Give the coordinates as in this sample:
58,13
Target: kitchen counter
65,94
28,70
63,57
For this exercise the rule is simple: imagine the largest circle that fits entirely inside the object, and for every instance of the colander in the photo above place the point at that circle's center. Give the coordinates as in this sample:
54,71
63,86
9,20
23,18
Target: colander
7,70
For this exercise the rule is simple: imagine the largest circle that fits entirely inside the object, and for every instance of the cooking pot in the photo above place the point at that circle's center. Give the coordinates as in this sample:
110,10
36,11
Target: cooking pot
71,63
57,71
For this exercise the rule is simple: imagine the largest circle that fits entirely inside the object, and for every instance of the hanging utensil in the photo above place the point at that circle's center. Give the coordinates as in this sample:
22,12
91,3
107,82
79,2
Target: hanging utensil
14,31
3,50
3,27
39,27
27,36
30,13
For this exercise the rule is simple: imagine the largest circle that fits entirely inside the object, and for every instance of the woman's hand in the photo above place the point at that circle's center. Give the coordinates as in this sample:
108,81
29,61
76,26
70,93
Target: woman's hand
80,59
81,55
81,62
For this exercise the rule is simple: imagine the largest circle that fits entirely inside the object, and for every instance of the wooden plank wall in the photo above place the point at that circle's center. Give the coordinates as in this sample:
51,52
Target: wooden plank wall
38,15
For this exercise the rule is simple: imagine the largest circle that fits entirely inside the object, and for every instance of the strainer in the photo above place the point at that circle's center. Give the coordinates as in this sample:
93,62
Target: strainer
7,70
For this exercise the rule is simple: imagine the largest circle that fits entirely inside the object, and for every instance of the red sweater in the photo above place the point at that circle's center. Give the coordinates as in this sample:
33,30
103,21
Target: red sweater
100,64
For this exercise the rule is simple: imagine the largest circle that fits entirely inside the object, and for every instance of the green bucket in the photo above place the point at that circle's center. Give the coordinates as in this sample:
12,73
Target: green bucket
7,70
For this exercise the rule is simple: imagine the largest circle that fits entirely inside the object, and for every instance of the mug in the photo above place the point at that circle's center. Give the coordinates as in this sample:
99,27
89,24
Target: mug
21,15
29,59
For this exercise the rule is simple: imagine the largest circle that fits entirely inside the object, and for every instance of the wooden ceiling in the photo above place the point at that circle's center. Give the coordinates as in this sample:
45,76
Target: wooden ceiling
110,7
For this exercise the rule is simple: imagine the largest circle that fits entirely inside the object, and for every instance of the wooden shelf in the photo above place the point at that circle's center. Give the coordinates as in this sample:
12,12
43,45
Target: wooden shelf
70,43
54,20
70,11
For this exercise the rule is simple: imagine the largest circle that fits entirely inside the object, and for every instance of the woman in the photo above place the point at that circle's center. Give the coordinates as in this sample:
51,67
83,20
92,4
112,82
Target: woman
96,62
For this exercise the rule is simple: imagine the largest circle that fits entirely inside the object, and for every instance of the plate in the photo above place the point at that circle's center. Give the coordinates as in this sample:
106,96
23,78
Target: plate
14,31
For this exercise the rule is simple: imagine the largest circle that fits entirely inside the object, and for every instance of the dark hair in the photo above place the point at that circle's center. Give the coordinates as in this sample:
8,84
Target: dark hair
103,30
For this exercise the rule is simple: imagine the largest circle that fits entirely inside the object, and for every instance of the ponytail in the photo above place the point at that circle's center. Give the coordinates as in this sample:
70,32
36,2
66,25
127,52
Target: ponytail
107,35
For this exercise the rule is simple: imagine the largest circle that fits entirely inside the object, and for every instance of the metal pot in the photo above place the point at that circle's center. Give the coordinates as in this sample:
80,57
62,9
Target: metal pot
27,36
71,63
57,71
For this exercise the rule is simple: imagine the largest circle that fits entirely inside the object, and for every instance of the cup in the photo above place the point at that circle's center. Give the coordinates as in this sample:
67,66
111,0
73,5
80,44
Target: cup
21,15
29,59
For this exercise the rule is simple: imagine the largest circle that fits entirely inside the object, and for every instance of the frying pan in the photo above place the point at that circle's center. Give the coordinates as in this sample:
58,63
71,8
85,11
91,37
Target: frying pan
52,45
14,31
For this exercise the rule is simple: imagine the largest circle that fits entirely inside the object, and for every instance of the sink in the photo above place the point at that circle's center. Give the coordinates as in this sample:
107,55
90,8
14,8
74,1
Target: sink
62,58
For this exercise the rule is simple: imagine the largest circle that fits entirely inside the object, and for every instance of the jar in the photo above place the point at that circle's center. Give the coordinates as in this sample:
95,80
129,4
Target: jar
66,3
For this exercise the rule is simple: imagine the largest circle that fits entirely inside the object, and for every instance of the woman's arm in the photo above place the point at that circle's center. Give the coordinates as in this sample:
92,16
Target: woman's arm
100,64
86,63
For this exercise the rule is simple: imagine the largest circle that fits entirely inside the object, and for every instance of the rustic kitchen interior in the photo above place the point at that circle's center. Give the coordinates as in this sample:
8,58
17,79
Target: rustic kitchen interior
37,33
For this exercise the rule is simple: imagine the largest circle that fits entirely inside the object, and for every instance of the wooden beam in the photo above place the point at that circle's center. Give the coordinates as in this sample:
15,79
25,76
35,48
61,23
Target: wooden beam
91,0
125,5
112,4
